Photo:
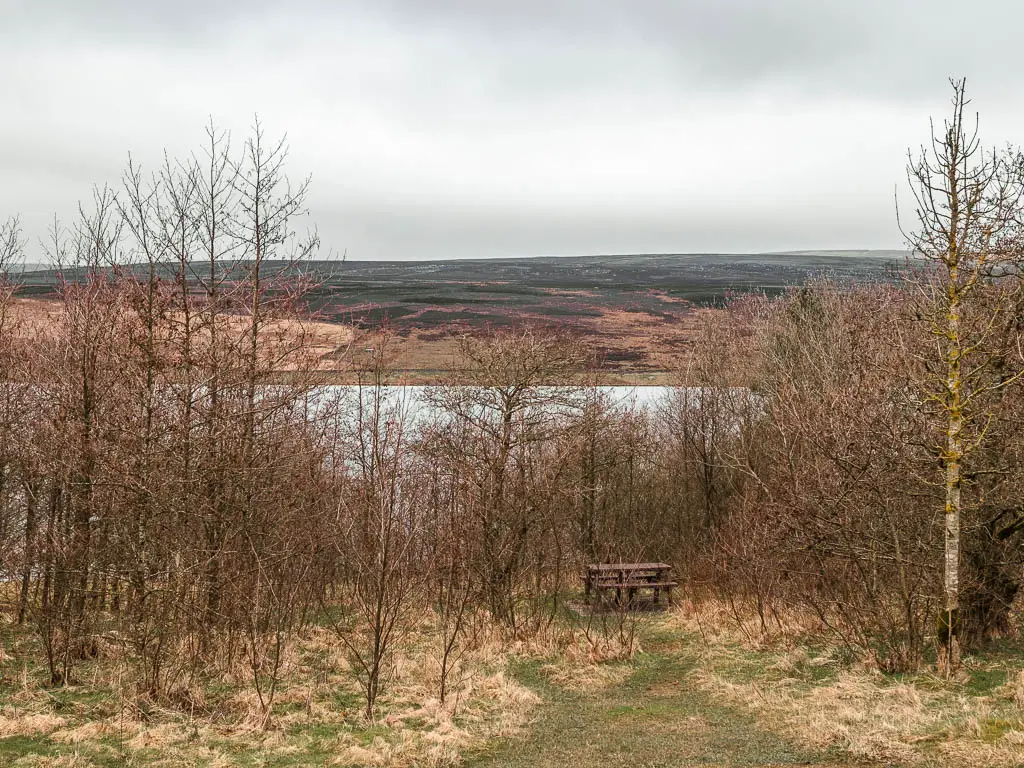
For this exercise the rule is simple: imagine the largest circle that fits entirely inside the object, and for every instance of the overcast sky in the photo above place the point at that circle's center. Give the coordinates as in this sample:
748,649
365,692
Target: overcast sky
467,128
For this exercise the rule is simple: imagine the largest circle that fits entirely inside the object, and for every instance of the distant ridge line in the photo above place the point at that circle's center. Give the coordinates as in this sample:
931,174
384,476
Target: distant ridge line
39,267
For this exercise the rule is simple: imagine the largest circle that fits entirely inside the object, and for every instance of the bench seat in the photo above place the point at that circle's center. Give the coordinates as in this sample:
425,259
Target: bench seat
628,584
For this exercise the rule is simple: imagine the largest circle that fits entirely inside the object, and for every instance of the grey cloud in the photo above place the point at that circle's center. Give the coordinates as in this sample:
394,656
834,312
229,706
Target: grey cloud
469,127
876,45
870,46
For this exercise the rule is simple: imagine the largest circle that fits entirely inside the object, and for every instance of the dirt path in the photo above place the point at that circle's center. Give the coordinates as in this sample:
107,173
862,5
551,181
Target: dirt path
654,719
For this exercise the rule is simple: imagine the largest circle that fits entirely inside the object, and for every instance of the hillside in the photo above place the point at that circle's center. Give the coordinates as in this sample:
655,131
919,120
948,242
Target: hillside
637,311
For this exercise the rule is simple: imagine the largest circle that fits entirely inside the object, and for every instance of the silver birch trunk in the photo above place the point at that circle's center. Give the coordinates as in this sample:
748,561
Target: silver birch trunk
949,653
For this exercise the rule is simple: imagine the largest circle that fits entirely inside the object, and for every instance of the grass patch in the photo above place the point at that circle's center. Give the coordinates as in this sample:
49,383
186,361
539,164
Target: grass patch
317,717
822,698
984,681
14,747
653,717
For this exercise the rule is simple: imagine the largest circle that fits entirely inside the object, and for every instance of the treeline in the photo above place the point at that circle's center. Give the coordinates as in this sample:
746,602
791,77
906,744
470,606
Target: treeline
825,479
182,491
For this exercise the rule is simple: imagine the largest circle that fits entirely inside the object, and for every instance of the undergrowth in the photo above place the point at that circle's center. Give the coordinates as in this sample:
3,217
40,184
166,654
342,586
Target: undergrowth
823,695
692,672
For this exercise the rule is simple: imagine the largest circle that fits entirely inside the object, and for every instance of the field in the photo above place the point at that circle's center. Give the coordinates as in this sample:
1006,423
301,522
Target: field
698,690
637,313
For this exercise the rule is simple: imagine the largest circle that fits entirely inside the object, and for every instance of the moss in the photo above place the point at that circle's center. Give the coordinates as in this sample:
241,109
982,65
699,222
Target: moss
993,729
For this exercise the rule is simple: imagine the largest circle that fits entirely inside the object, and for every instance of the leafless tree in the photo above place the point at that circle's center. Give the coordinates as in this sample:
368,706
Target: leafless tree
499,415
967,203
378,530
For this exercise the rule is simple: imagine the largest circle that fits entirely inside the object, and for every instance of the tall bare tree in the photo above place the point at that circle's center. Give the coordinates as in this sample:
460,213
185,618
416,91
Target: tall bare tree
967,200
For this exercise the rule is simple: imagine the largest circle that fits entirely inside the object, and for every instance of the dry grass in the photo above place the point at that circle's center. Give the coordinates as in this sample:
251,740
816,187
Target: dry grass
589,677
73,760
813,695
84,732
592,661
14,723
820,698
718,622
318,713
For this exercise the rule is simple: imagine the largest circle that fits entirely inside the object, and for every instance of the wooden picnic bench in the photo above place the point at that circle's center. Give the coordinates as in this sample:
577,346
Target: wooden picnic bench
629,580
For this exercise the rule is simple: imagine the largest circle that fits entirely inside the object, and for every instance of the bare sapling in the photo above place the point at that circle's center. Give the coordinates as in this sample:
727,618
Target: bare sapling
448,575
378,531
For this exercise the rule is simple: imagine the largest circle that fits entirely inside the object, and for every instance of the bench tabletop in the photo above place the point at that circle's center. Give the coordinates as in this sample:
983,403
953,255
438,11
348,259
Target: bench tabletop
599,567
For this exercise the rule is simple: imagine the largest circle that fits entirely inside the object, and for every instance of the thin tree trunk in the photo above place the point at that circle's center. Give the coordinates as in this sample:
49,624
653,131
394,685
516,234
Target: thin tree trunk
949,647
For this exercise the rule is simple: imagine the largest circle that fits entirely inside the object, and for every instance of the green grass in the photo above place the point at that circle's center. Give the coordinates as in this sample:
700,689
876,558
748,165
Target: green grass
102,753
656,717
14,747
984,681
